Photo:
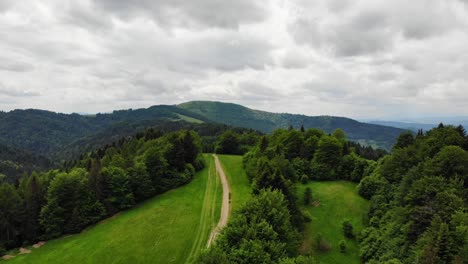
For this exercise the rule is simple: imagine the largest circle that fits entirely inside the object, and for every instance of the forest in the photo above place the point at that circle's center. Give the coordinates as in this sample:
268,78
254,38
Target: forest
100,184
417,192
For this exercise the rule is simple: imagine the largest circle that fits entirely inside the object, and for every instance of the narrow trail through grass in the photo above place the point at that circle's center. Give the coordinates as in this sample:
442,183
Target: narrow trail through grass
225,205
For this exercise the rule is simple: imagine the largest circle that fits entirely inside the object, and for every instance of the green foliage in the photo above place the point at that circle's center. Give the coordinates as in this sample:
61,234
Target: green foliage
342,246
371,185
239,116
70,205
348,229
417,195
228,143
10,215
326,159
101,183
404,140
261,232
118,194
307,196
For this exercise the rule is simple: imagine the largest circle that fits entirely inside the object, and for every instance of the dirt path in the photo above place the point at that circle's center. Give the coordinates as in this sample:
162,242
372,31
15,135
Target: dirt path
225,206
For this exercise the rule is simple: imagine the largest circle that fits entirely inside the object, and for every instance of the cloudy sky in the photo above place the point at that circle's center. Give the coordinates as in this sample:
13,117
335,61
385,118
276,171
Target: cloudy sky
362,59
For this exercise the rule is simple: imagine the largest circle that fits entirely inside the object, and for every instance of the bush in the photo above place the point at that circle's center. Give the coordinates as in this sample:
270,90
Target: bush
307,216
322,244
342,246
348,229
307,196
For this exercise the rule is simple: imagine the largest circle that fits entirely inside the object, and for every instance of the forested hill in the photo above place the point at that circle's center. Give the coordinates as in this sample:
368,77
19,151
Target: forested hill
237,115
48,133
63,136
14,163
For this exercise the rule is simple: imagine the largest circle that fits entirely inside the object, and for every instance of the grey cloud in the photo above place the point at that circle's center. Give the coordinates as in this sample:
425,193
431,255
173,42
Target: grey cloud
16,92
205,13
369,27
7,64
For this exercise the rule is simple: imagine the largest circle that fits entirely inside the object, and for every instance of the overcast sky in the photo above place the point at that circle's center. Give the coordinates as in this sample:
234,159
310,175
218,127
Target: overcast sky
362,59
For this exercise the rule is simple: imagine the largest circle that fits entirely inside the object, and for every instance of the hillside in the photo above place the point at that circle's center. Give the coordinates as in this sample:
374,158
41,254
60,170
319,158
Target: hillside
60,136
237,115
172,228
47,133
15,162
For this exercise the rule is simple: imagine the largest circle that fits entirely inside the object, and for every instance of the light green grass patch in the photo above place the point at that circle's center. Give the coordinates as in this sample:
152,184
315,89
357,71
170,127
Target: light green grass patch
190,119
336,201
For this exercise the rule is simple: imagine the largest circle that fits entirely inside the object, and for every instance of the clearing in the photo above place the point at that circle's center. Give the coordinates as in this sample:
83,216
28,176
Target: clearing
333,202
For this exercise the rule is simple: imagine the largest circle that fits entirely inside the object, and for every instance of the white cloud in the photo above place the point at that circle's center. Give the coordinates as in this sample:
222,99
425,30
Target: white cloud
340,57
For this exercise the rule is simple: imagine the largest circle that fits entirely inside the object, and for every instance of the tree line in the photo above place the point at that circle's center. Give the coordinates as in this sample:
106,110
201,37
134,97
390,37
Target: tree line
99,184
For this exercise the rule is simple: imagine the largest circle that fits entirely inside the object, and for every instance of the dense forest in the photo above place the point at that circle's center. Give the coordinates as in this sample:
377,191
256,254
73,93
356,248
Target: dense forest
419,197
100,184
14,163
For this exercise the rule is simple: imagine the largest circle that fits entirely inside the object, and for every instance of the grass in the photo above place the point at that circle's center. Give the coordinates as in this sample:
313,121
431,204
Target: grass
190,119
337,201
170,228
238,181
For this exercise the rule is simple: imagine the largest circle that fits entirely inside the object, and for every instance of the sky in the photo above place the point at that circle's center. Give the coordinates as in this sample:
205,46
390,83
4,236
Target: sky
356,58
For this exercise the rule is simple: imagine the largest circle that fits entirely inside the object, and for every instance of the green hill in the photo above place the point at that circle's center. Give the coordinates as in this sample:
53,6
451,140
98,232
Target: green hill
237,115
170,228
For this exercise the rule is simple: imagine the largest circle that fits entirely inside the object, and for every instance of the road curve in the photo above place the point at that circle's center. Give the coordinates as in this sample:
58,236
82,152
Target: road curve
225,206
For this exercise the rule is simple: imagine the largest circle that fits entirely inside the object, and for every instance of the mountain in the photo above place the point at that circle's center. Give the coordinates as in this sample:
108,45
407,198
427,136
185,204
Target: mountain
405,125
237,115
58,136
48,133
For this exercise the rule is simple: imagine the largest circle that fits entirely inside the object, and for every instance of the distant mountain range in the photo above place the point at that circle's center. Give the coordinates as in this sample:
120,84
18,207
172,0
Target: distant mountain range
405,125
237,115
60,136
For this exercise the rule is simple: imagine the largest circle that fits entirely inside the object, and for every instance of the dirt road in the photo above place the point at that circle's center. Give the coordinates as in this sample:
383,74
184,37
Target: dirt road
225,206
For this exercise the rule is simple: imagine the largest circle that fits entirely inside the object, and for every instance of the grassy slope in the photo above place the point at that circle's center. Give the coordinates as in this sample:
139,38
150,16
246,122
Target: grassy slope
164,229
338,201
238,181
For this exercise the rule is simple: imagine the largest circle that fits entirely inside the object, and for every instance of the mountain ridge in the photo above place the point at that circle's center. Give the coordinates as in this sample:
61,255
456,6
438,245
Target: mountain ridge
47,133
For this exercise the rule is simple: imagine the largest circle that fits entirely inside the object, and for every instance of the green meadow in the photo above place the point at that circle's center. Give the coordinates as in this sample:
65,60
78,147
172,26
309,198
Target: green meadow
333,203
170,228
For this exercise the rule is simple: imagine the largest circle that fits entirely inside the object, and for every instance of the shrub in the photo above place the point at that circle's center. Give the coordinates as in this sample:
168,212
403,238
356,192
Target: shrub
342,246
307,196
322,244
348,229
